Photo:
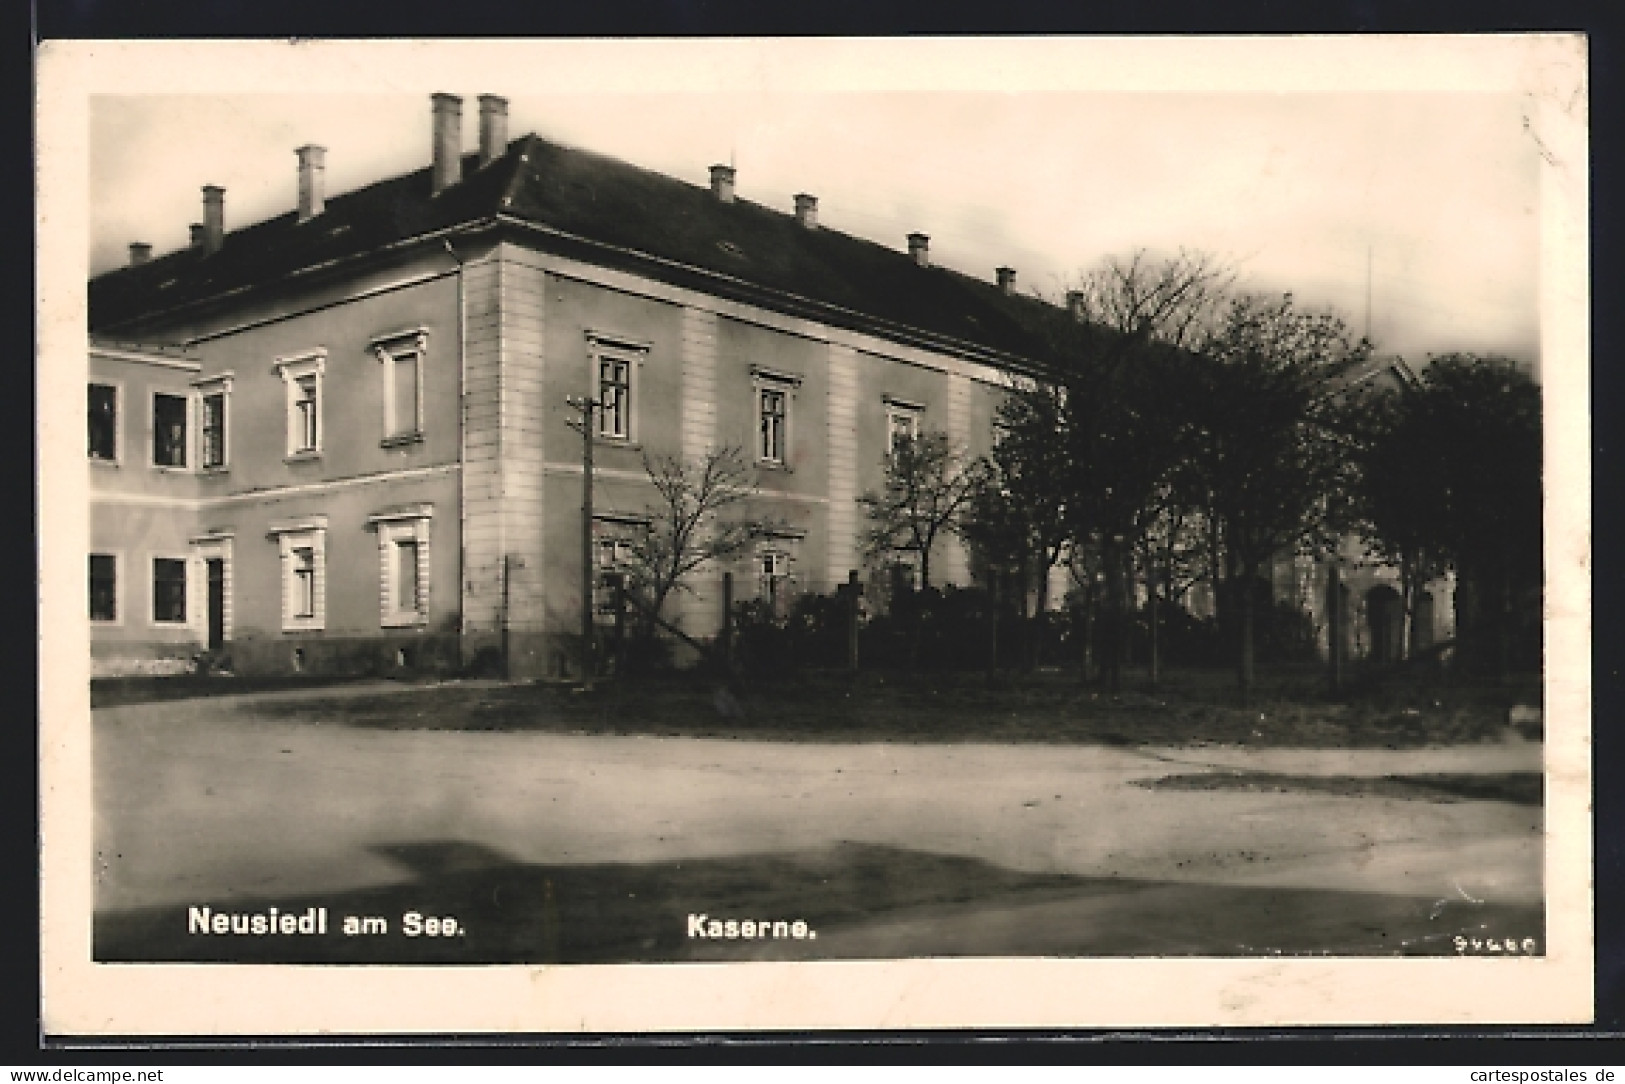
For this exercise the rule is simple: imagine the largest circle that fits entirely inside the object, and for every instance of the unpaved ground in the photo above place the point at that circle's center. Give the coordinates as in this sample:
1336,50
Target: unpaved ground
197,804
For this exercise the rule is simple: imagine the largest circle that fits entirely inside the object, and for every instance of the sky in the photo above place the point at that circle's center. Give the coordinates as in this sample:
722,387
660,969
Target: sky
1414,213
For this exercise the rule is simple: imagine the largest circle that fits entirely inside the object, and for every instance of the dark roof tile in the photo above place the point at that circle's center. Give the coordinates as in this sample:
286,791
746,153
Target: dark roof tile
599,201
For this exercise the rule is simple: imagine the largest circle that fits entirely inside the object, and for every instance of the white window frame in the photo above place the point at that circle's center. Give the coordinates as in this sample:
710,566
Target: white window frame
407,524
390,349
295,535
901,410
118,421
763,382
634,353
117,620
188,439
612,532
293,368
215,385
186,592
783,548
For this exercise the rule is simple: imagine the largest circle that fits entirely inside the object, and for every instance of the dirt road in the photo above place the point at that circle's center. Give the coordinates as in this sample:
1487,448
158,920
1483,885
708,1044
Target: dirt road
896,849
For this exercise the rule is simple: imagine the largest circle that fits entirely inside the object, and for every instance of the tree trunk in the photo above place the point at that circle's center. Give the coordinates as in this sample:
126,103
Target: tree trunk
1151,611
1246,669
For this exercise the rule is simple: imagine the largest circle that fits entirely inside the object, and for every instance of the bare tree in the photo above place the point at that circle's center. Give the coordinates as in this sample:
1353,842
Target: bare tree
1174,299
698,516
928,486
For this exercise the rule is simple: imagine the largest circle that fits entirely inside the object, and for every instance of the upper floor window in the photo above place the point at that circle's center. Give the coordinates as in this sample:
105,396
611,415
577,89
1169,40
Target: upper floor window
302,376
772,405
214,395
168,591
614,374
402,355
614,397
103,587
774,394
104,422
902,423
168,430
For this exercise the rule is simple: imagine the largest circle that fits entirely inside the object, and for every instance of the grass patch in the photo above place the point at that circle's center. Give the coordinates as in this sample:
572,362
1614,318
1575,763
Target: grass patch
113,692
1518,788
1035,708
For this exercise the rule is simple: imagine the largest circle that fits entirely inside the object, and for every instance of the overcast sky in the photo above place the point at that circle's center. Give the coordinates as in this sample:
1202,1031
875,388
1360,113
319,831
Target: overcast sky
1437,193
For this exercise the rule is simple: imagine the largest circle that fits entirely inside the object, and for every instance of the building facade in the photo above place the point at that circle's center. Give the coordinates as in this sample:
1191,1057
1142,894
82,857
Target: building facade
343,442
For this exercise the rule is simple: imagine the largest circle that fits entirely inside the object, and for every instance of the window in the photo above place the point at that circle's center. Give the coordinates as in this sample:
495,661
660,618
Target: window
615,555
214,397
168,591
403,565
614,362
774,393
402,354
774,566
302,549
615,398
774,563
214,429
302,376
306,417
104,422
902,423
304,581
771,403
168,430
103,587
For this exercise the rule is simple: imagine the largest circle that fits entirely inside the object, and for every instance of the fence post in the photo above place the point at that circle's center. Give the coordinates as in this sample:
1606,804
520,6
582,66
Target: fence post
992,622
620,627
727,618
1334,625
852,590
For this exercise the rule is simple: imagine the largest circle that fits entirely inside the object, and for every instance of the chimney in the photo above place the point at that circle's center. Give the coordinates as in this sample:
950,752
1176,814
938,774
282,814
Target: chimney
140,253
1074,303
919,247
1007,280
195,231
312,181
214,217
722,183
807,211
493,128
448,141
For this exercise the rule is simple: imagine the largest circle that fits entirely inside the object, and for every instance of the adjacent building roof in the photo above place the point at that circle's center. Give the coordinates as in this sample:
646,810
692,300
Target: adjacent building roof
612,213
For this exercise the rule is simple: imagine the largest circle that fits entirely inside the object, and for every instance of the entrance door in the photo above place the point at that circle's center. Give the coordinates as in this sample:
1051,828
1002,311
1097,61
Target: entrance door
217,603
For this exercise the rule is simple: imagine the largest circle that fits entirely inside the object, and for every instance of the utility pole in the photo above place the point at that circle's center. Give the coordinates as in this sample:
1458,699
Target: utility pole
587,409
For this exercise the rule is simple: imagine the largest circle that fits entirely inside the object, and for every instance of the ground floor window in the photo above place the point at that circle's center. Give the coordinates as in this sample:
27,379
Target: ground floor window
103,587
168,591
302,550
403,565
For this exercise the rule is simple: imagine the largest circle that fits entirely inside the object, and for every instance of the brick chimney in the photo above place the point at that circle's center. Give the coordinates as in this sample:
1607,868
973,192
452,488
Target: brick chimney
448,141
807,211
312,181
195,235
1074,303
214,217
722,183
919,248
140,253
493,128
1007,280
